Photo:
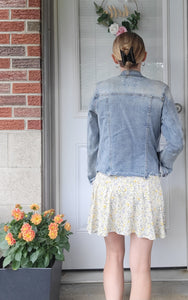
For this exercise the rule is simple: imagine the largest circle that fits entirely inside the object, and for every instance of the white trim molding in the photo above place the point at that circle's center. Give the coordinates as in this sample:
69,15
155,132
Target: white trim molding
186,108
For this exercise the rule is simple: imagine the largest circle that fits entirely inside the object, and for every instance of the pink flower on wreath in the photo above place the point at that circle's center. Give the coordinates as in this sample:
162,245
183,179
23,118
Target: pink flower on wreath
121,30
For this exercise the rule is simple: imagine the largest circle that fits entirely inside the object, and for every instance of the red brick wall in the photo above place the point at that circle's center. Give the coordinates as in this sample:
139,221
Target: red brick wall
20,66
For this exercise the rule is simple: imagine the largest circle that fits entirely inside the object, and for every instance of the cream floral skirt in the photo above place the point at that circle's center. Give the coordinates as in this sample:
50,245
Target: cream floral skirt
127,204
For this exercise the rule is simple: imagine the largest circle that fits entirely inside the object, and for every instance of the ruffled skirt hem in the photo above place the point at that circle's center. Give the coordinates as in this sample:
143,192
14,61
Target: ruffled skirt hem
161,235
127,204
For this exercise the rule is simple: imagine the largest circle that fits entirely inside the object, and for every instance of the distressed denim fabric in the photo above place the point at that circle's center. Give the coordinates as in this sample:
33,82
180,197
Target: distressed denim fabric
126,117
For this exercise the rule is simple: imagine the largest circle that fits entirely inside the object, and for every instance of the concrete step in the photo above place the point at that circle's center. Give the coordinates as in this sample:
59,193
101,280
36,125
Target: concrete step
176,290
167,284
95,276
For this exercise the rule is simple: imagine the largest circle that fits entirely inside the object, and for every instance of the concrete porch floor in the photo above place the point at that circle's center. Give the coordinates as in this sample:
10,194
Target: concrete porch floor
88,285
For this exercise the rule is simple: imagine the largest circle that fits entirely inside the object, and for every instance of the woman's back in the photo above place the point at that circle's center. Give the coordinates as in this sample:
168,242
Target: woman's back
131,111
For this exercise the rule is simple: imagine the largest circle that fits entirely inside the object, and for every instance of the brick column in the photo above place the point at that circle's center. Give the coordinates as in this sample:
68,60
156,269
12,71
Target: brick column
20,105
20,72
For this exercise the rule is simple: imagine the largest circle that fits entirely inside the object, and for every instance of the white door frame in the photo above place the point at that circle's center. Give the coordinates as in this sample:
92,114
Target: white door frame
51,105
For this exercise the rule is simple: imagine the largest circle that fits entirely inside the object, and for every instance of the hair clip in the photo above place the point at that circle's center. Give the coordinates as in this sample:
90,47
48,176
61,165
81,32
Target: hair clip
129,57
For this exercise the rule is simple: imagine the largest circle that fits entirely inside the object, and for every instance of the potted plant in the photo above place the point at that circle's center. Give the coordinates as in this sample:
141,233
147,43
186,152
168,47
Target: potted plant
32,247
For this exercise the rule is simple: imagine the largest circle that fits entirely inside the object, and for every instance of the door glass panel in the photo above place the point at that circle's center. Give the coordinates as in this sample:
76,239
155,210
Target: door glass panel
96,44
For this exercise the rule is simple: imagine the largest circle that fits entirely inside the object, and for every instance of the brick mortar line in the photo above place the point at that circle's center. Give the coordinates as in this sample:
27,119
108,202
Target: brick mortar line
20,106
21,81
17,70
16,131
11,132
19,95
20,32
23,106
27,94
18,45
24,45
24,8
12,20
21,57
20,118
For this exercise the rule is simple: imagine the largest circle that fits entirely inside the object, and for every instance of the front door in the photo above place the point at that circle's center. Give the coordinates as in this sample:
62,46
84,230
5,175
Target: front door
84,58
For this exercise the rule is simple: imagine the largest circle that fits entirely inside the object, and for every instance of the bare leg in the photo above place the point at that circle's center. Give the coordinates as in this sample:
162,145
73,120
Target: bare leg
113,270
140,263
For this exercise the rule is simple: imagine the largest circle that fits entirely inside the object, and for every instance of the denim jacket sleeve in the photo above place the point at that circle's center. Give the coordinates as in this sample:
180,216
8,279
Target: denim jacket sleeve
173,133
92,138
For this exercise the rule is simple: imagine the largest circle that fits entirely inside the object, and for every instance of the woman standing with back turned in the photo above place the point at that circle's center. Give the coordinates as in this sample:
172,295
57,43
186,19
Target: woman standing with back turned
126,117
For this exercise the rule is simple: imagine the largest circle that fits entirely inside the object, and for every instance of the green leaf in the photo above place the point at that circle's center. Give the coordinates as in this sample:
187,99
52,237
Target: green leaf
96,5
30,248
15,265
25,253
67,246
4,245
102,18
46,260
59,256
7,261
18,255
24,262
40,264
127,25
34,256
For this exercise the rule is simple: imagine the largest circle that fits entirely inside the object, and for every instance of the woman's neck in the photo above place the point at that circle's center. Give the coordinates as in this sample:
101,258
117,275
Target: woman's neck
138,68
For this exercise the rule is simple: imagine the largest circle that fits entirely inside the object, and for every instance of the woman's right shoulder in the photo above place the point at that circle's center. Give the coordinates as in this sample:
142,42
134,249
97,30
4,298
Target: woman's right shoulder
157,87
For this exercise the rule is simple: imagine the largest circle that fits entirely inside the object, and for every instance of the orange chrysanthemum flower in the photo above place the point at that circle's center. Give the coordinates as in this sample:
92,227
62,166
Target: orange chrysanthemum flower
10,240
49,212
53,227
6,228
29,235
18,206
20,235
67,226
58,219
46,212
53,234
26,227
34,206
36,219
17,214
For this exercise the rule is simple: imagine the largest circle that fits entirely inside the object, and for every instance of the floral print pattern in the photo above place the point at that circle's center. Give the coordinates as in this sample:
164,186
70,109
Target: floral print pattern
126,204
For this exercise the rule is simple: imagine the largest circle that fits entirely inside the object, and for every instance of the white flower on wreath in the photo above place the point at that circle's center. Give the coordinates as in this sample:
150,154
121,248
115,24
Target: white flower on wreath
114,28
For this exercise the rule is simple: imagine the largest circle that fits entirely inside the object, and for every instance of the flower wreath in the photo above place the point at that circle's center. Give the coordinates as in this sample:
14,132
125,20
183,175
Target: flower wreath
106,18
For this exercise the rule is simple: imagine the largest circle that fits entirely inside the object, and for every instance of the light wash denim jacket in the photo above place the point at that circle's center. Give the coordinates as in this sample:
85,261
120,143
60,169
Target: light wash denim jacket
126,117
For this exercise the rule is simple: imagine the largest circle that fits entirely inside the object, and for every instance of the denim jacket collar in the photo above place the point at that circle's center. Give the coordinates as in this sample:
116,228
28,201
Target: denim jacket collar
131,73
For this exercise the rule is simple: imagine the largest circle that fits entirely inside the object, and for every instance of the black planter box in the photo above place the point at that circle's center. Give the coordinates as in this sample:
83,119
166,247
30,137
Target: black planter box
31,283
